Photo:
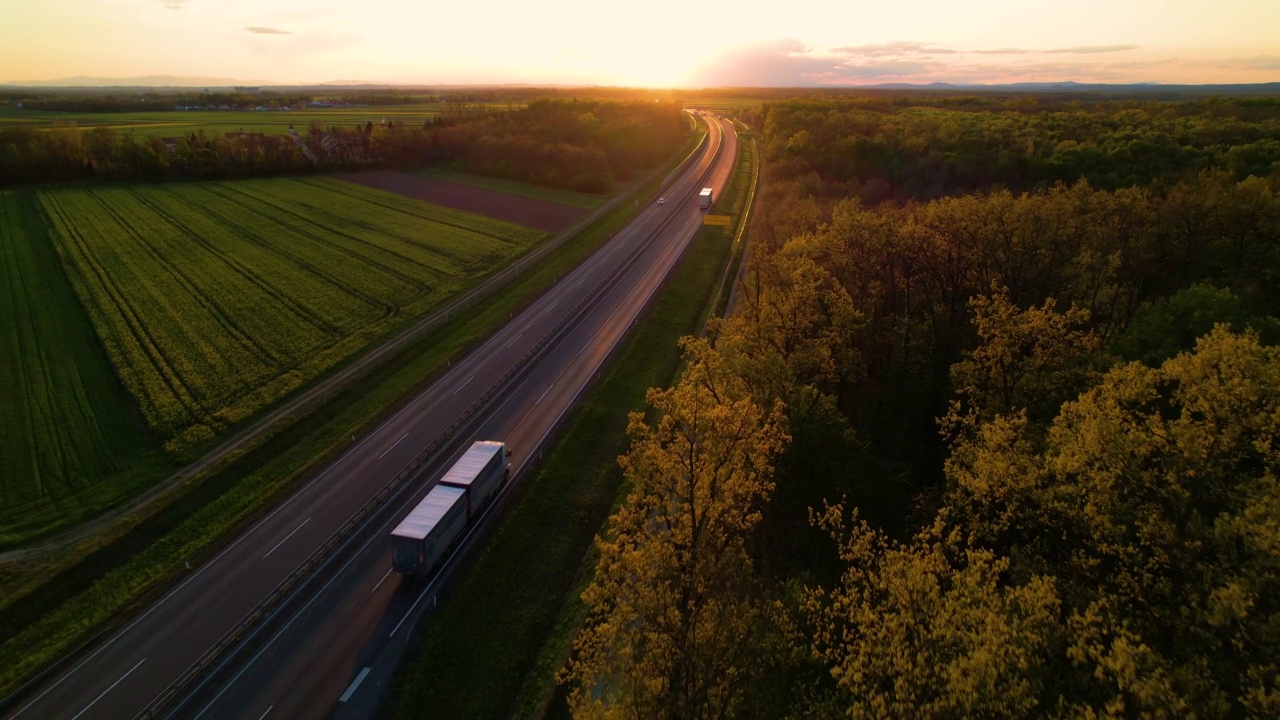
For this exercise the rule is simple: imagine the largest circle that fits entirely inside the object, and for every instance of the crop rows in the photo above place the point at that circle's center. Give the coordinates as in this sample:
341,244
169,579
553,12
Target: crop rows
64,423
214,300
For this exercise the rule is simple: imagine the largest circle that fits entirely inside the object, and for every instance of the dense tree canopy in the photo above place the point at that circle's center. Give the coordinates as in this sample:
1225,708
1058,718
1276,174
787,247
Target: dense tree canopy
581,145
1030,344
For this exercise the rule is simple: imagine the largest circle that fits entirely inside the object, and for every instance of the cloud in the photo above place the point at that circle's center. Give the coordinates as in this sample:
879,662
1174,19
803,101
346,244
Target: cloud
1092,49
1257,62
267,31
894,49
781,63
1078,50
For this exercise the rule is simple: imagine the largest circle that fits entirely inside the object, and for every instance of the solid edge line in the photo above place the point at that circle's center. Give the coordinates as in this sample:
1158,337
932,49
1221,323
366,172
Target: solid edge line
354,684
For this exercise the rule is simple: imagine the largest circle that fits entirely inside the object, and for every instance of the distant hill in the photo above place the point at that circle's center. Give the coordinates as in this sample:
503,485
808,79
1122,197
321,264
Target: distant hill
147,81
1070,86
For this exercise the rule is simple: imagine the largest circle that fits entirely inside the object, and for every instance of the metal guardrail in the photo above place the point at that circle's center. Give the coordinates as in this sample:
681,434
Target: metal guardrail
263,616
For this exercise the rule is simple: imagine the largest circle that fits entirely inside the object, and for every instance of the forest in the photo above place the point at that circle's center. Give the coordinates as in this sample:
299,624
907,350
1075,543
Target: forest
575,144
994,430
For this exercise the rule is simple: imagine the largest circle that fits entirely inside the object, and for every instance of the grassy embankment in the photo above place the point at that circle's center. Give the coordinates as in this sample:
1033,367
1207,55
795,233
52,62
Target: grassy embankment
128,566
494,648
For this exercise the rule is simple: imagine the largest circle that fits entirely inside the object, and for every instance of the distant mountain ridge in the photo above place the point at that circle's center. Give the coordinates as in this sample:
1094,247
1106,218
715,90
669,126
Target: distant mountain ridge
1072,86
174,81
140,81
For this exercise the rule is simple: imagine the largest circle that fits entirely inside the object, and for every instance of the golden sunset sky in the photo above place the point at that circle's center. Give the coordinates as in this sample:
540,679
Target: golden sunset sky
656,43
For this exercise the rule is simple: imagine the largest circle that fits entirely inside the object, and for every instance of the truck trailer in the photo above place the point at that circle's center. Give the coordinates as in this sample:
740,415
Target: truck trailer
421,539
704,198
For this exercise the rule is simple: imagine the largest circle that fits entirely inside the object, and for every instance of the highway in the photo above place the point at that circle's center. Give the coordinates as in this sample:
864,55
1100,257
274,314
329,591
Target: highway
361,617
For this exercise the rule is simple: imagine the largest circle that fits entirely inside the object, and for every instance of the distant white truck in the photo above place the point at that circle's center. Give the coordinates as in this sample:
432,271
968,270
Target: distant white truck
704,198
421,539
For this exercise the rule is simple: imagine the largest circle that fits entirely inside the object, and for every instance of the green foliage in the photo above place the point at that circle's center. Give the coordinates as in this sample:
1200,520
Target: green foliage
923,148
545,142
1163,327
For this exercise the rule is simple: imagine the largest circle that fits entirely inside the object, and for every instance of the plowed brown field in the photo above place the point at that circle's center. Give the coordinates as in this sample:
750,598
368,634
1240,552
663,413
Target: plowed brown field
540,214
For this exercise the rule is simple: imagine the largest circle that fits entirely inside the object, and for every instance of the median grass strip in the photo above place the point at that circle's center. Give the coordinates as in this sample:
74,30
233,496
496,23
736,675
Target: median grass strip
57,608
496,645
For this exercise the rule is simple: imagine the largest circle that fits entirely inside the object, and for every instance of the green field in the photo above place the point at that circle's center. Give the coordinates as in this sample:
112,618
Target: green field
140,320
214,300
65,423
172,123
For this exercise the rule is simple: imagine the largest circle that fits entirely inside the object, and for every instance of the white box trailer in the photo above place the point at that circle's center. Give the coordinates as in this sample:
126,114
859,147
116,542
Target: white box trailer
480,471
421,539
704,198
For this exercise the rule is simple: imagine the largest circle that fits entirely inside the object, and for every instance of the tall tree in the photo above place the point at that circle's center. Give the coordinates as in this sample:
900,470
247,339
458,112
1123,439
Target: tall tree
673,607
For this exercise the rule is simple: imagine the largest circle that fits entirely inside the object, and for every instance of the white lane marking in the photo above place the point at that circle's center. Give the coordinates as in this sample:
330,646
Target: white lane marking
266,712
113,687
464,384
354,684
286,537
384,579
577,283
553,307
509,344
544,392
393,446
414,606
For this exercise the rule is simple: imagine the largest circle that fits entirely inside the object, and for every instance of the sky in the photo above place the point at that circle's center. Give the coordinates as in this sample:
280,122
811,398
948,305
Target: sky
656,43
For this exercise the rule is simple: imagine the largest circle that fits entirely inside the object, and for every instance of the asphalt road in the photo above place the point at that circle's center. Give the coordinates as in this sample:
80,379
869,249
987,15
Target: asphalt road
348,625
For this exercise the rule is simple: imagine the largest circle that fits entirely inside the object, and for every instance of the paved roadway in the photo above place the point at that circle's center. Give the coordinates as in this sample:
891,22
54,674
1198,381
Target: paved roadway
308,669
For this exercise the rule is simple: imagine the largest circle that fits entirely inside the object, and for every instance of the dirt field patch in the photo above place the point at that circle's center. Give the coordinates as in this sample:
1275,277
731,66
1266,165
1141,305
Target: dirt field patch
540,214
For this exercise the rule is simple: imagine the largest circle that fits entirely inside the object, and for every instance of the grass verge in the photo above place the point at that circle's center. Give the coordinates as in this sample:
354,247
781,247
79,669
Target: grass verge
105,578
494,649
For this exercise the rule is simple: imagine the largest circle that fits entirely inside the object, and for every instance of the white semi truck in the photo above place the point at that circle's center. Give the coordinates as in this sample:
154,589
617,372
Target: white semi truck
421,539
704,198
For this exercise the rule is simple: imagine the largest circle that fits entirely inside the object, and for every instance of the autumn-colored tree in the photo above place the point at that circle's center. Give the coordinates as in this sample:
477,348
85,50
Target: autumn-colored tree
930,629
673,605
1154,503
1032,359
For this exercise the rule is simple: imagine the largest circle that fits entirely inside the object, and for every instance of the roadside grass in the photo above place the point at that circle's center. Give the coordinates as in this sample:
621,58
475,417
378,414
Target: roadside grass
50,609
494,649
586,201
490,633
